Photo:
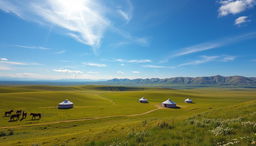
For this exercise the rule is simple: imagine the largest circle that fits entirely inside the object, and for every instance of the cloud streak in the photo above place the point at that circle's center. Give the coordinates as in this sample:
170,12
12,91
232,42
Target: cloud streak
67,71
210,45
33,47
157,66
206,59
134,60
95,64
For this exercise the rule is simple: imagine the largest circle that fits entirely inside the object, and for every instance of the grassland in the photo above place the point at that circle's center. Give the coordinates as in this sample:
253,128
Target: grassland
105,115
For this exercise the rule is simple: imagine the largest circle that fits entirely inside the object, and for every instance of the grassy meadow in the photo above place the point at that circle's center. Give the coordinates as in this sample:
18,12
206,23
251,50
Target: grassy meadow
111,115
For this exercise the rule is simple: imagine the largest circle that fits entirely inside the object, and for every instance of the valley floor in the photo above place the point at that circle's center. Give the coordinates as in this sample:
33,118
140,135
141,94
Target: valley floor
105,115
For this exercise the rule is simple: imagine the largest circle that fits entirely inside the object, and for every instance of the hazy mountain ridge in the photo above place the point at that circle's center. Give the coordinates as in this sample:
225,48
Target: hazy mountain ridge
210,80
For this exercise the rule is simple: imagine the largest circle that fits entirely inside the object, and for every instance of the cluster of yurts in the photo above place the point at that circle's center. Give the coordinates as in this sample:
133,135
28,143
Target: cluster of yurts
66,104
168,103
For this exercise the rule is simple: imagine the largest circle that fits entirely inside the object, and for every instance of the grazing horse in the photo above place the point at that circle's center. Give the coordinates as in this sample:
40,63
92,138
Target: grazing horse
35,115
15,117
18,111
24,116
8,113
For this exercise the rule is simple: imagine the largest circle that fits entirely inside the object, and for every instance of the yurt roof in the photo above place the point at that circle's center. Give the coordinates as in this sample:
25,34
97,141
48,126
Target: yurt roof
66,102
168,101
142,98
188,99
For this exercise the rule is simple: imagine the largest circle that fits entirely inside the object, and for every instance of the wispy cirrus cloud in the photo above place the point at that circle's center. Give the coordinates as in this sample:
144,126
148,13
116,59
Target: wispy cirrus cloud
134,60
241,19
235,6
68,71
228,58
157,66
86,21
126,12
7,61
209,45
83,20
206,59
32,47
95,64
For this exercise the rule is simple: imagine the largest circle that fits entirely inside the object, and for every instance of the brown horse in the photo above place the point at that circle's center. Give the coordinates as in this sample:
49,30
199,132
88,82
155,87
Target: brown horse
15,117
8,113
35,116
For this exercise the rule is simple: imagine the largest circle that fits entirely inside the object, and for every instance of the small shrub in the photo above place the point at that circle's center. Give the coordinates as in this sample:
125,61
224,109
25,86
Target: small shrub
219,131
144,123
164,125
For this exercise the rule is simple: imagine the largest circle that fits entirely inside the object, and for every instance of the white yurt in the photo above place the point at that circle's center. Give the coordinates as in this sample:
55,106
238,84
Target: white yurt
188,100
143,100
168,103
66,104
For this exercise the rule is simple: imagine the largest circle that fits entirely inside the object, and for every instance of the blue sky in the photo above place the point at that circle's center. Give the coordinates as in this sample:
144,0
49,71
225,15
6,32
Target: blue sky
97,39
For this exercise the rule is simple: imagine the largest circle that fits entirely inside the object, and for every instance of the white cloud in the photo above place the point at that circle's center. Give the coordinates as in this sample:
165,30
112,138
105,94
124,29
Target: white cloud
210,45
33,47
67,71
3,59
86,21
156,66
140,61
134,60
241,20
95,64
135,72
234,6
83,20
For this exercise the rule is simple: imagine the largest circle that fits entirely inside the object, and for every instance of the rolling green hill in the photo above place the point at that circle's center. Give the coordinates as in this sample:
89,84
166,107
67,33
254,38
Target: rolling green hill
111,115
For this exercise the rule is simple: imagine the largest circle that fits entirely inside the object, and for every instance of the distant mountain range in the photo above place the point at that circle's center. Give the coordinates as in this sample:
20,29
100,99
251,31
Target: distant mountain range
190,81
175,82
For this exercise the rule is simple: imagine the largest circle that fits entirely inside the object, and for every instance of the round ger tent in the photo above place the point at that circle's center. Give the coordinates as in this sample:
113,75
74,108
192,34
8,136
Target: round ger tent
188,100
168,103
143,100
66,104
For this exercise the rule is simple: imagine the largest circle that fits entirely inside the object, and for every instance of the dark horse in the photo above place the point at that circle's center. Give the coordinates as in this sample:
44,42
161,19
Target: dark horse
24,116
15,117
35,116
8,113
18,111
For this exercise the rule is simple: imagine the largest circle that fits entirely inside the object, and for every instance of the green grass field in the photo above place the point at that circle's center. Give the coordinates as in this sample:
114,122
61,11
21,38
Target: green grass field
104,115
